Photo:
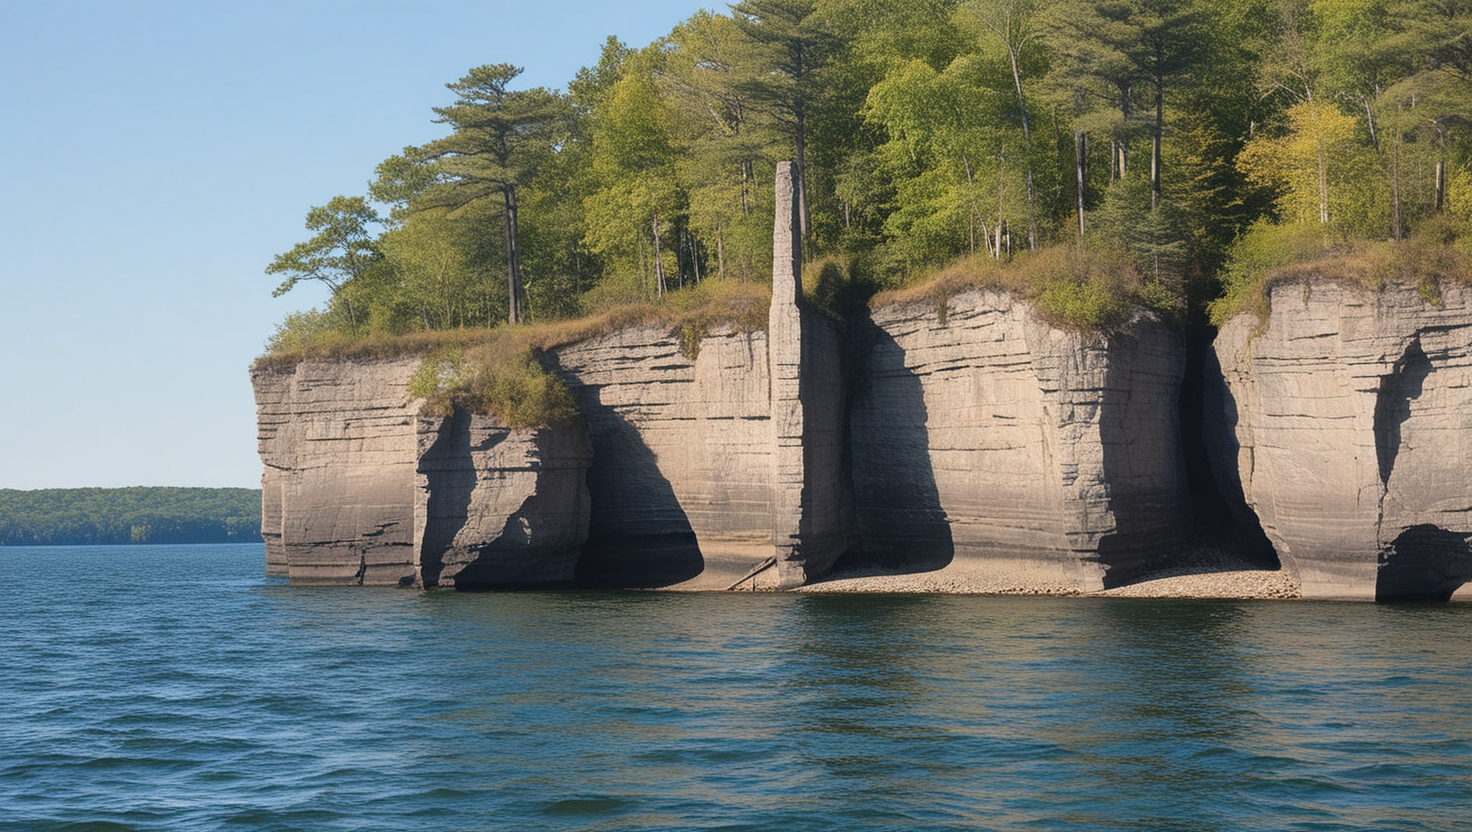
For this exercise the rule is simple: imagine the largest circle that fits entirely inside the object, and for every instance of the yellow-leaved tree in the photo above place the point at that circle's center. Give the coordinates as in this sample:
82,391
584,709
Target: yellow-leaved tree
1319,168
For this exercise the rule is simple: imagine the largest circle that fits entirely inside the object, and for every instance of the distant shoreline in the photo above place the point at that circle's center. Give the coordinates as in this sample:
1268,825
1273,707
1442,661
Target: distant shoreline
129,516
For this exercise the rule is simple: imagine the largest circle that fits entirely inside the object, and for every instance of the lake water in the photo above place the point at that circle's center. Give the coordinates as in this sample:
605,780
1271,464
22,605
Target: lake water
178,688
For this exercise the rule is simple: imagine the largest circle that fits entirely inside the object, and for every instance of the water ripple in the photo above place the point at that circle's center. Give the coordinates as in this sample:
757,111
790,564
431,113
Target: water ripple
174,688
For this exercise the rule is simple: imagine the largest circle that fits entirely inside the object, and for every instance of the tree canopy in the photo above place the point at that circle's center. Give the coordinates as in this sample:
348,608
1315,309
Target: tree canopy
923,131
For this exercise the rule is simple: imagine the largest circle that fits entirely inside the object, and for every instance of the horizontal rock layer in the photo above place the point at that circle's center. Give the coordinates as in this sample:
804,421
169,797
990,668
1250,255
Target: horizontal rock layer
981,433
347,496
681,480
1345,426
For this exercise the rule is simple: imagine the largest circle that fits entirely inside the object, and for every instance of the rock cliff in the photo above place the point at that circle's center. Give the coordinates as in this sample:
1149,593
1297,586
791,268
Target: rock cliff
1345,427
338,441
681,474
983,435
359,488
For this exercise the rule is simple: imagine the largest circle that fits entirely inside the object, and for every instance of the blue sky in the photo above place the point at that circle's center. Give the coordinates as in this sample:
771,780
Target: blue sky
154,156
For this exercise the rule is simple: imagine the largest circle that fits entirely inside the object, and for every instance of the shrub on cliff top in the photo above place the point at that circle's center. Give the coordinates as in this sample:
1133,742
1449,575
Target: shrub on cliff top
1269,254
1072,287
497,378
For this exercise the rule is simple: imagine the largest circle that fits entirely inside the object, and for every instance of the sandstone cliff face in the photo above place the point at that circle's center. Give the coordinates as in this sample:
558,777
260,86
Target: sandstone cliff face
681,475
983,434
345,495
1346,427
812,517
338,442
495,506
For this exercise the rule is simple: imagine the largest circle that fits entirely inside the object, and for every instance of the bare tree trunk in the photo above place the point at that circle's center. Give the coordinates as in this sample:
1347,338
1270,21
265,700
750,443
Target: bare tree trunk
1001,195
721,251
1397,230
1439,197
1157,135
745,187
1032,227
513,258
1370,121
659,285
975,212
802,175
1080,153
1119,159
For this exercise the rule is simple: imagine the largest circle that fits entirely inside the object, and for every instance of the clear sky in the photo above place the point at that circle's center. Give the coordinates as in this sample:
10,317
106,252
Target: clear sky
154,156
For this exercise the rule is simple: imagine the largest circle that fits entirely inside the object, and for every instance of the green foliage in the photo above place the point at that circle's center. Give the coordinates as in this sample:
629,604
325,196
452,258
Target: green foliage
1264,249
86,516
340,251
1080,288
927,132
1439,251
499,377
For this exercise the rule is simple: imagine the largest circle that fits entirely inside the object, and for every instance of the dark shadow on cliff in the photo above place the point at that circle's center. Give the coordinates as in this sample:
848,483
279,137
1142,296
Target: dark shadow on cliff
901,524
638,535
1143,457
1214,426
1424,563
451,479
1393,404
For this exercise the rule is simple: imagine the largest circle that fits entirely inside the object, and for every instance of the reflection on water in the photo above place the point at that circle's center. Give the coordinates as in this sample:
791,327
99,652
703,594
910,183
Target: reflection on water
171,687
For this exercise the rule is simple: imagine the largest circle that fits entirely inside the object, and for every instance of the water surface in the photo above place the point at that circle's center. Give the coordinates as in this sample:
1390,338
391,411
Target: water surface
176,688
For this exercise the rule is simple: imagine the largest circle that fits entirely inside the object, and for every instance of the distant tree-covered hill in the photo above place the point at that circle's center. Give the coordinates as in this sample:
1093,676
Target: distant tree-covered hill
72,516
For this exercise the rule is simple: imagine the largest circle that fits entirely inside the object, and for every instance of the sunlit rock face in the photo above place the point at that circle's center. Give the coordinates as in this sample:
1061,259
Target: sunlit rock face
360,489
1345,427
681,480
338,443
982,434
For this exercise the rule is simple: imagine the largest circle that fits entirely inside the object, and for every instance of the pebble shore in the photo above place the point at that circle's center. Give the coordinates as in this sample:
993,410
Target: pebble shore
1203,572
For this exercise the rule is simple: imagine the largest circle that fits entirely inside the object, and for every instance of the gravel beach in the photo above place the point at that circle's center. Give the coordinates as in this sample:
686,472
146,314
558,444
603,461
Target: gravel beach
1203,572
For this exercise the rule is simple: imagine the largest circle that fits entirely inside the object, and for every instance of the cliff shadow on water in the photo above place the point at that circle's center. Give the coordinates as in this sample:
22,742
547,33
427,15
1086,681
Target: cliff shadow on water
638,535
901,522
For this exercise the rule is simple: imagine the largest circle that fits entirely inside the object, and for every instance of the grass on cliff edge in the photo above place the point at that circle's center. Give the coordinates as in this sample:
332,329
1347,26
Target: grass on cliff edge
1079,288
1267,255
499,370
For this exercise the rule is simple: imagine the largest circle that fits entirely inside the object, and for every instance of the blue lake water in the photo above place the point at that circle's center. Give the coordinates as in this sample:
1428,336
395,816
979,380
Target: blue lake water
177,688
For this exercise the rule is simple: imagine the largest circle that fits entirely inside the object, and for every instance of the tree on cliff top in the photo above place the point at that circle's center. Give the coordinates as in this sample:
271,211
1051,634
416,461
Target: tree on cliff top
499,139
342,250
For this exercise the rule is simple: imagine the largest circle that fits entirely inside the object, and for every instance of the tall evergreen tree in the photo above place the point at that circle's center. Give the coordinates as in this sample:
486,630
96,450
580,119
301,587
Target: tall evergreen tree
793,42
499,139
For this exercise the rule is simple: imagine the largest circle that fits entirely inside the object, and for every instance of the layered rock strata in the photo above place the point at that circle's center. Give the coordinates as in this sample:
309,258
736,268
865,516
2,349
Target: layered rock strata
338,441
1344,425
681,476
985,436
359,488
497,507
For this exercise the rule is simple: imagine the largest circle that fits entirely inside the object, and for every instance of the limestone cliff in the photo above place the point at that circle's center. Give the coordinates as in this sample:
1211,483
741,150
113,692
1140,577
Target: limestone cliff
359,488
982,434
1345,426
495,506
338,441
681,475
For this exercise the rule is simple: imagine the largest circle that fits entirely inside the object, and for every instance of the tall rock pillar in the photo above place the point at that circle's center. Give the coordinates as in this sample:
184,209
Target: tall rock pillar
811,512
